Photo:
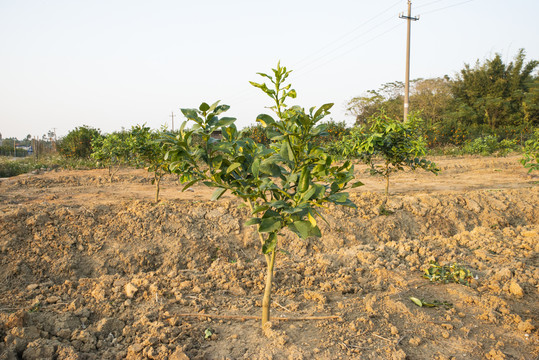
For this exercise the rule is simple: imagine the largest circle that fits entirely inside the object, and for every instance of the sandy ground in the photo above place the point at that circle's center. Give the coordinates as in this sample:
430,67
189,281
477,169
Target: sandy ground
95,270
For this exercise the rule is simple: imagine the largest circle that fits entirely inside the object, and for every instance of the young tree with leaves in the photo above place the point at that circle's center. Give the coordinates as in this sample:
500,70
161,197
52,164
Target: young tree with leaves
285,185
397,143
112,151
149,152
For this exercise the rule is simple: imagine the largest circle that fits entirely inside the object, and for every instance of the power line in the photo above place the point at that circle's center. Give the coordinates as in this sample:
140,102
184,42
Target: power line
348,42
328,53
447,7
301,71
348,33
349,50
428,4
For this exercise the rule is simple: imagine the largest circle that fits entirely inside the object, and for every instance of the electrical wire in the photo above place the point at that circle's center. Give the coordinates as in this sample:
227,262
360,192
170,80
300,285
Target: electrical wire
447,7
427,4
349,41
301,74
348,33
303,70
329,45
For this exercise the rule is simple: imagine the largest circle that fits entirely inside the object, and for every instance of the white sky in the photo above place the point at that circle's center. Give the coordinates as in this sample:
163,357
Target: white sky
116,63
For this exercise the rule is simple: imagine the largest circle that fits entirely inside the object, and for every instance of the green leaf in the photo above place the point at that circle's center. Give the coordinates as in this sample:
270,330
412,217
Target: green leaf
225,121
322,110
357,184
286,152
255,167
270,224
309,193
204,107
189,184
265,120
338,198
258,209
253,221
218,193
304,229
417,301
220,109
269,166
191,114
214,106
232,167
270,243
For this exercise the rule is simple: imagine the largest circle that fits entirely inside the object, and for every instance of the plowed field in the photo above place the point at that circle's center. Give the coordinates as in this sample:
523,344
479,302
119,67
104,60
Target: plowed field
96,270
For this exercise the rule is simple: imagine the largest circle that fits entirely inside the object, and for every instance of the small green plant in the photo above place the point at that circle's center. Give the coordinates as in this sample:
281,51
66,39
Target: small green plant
432,303
399,144
208,333
448,273
531,153
150,153
285,185
489,145
112,151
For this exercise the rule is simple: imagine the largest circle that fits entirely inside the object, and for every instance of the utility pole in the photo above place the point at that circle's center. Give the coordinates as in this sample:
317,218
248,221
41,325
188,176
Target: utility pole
409,18
172,116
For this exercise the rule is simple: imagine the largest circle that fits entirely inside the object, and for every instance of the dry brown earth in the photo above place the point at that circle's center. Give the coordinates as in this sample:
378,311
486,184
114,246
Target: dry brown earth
92,270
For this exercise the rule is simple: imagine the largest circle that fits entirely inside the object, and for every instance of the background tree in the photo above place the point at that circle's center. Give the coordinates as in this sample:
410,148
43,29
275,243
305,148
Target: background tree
149,152
112,151
78,142
431,98
494,93
397,143
389,97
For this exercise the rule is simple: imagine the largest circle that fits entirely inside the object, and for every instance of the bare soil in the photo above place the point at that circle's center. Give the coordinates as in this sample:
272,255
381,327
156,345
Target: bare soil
96,270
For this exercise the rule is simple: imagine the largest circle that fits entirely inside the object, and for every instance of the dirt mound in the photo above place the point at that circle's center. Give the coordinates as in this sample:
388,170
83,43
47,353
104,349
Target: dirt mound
83,279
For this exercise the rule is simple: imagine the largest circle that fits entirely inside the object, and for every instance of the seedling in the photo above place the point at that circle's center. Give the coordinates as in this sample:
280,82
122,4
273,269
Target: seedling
531,153
433,303
448,273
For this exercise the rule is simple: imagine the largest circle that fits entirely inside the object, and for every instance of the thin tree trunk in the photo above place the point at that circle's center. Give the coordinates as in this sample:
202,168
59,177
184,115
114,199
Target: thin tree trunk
266,300
270,261
157,182
387,183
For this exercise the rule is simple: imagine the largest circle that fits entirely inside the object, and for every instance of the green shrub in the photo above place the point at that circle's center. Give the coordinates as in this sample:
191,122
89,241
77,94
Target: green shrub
489,145
531,153
78,143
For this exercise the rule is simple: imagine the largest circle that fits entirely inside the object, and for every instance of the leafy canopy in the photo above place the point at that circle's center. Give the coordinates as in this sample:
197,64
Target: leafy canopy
286,183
